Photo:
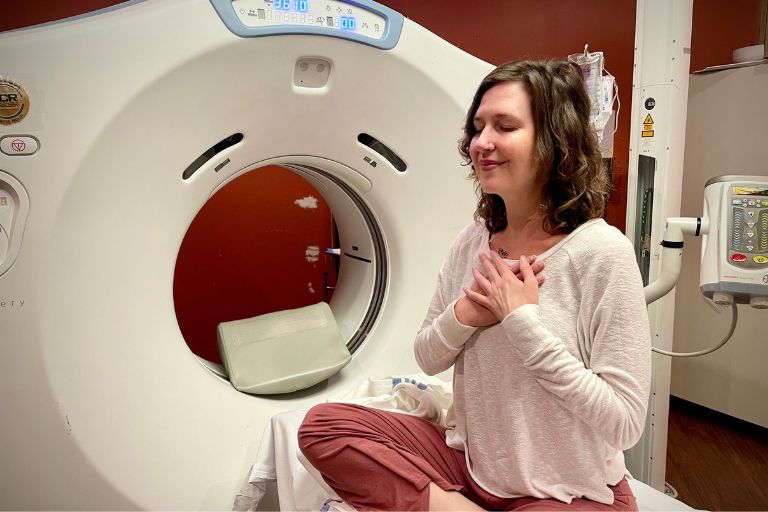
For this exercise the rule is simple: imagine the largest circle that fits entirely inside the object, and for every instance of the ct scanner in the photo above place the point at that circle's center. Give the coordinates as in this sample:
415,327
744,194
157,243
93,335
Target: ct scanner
115,129
103,404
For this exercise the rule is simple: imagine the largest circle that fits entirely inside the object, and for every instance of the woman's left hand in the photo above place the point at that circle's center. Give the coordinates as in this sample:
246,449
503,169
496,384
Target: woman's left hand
502,291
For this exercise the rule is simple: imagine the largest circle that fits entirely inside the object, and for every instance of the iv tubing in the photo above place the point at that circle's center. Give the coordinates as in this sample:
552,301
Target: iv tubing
670,272
734,319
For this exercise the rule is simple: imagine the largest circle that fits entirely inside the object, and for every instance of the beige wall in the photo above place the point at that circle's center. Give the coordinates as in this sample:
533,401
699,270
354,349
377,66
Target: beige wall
727,133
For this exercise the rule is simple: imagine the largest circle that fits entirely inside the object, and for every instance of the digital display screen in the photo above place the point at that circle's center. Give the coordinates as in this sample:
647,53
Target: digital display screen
749,191
292,5
348,23
345,17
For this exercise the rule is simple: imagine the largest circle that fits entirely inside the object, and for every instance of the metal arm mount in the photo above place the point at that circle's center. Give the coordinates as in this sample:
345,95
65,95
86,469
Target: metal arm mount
672,254
671,258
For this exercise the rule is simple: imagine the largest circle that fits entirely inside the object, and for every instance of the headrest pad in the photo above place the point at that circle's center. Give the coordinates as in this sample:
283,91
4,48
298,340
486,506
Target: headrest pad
283,351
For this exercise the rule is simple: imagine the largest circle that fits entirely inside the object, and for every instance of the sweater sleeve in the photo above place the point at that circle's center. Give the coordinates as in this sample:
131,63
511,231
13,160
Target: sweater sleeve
441,337
609,390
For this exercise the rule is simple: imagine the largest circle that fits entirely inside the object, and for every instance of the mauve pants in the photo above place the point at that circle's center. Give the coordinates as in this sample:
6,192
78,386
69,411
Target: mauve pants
379,460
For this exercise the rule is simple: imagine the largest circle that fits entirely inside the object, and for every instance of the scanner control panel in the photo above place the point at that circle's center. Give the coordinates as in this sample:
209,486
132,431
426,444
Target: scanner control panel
748,226
310,13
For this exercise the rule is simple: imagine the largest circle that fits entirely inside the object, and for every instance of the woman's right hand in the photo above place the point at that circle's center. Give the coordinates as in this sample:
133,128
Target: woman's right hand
473,314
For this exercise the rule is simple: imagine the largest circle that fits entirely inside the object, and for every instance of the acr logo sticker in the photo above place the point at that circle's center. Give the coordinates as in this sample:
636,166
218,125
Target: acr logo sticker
14,102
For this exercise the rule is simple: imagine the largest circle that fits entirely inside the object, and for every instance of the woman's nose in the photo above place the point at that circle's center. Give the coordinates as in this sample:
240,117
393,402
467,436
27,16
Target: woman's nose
483,142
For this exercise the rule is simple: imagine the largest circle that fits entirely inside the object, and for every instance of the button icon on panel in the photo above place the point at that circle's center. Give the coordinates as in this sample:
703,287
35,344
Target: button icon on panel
762,260
738,257
17,145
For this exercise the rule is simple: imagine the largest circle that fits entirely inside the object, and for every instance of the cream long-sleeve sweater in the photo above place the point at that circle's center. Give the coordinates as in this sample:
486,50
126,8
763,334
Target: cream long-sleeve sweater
545,400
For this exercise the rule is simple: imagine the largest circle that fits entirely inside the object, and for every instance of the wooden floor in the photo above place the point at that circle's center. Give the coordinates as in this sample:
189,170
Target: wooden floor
714,461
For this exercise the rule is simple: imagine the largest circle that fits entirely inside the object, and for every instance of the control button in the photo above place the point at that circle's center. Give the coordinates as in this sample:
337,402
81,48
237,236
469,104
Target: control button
760,259
750,234
765,203
751,202
17,145
750,214
738,257
750,224
737,202
750,247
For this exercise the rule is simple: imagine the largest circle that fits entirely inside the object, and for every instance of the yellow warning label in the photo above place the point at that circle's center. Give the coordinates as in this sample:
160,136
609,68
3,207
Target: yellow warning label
648,119
647,133
647,127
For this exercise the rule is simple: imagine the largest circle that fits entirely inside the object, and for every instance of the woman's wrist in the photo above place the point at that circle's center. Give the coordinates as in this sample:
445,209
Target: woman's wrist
461,312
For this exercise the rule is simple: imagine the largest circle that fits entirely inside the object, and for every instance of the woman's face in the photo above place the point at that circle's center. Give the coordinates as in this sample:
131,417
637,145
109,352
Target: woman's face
502,149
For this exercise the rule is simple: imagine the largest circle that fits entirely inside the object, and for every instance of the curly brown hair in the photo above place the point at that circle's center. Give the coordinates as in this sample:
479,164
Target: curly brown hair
566,149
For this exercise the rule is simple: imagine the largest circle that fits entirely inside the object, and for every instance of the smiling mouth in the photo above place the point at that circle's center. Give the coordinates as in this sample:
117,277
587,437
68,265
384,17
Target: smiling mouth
488,165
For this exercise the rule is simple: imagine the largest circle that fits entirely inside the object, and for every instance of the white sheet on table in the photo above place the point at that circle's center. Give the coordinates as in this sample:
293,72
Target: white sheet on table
420,395
278,457
651,500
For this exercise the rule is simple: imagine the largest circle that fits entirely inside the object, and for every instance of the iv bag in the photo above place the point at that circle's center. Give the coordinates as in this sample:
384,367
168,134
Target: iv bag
601,89
591,65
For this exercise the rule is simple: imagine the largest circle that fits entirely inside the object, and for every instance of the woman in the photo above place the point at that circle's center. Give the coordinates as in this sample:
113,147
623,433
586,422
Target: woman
550,380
